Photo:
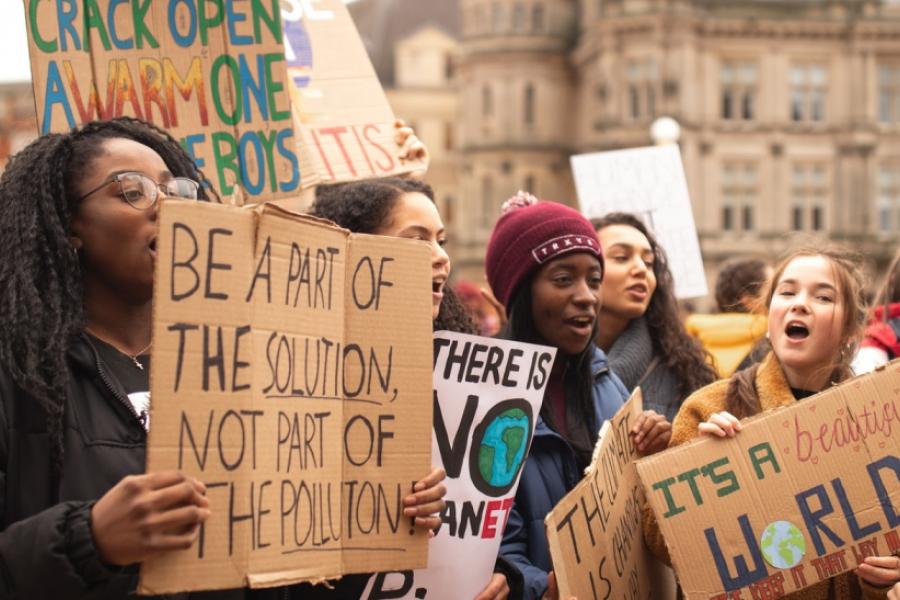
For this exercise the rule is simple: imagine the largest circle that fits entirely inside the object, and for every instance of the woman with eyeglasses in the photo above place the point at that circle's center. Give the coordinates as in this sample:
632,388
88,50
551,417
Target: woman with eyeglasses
78,238
78,226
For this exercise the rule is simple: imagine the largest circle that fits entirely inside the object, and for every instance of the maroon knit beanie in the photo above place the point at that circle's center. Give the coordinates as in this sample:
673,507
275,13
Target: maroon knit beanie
527,235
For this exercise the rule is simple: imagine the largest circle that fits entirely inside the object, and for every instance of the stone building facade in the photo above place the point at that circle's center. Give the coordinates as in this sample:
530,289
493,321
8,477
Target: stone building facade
18,124
789,112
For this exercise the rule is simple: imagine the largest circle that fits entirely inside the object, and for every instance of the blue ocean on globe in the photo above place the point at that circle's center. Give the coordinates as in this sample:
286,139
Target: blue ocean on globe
503,447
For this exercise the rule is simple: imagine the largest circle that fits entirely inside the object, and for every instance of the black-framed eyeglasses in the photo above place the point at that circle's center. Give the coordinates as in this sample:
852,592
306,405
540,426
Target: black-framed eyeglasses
141,192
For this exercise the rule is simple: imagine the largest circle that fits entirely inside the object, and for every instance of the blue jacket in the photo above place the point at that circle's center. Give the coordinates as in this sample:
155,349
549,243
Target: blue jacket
550,472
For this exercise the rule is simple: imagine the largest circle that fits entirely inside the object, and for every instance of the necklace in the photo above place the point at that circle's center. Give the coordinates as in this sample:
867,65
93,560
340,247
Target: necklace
133,357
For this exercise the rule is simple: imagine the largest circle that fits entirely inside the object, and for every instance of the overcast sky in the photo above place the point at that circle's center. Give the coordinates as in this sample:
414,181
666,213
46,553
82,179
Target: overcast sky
14,43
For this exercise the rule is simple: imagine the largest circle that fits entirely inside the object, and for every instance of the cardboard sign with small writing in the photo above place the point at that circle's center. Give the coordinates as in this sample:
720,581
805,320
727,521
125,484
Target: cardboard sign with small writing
802,494
595,534
291,374
341,114
487,397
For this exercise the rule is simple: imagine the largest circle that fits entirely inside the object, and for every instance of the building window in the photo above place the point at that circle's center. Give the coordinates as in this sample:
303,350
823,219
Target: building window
497,17
808,91
530,185
809,194
641,76
448,210
479,22
487,102
519,18
889,198
488,203
739,81
740,186
449,67
537,18
889,93
449,137
528,108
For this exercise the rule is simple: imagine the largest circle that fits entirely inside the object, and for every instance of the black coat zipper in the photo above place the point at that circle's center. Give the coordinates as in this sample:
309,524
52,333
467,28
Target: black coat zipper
140,418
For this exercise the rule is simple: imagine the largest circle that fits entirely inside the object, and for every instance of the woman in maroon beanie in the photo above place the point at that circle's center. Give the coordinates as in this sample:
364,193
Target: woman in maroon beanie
545,265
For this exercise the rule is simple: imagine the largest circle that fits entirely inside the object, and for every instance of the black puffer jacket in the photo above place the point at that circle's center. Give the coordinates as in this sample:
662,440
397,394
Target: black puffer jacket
46,548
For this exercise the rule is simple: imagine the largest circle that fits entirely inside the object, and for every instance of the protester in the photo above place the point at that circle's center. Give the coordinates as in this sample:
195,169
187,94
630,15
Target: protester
816,313
544,264
731,334
881,342
78,226
639,325
405,208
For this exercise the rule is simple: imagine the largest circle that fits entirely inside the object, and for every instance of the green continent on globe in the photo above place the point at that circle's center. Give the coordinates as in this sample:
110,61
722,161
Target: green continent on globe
502,447
513,437
486,461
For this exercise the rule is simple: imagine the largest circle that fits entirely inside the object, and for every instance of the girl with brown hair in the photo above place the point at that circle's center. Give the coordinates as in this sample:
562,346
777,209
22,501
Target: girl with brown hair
816,314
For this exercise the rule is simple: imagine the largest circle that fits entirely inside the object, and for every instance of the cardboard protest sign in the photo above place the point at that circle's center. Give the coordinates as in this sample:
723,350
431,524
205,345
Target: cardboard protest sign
210,72
214,73
487,396
649,183
291,374
800,495
595,534
341,114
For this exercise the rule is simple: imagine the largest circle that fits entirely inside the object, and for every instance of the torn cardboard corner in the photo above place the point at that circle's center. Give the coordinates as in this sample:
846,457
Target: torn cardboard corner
802,494
291,374
344,124
595,534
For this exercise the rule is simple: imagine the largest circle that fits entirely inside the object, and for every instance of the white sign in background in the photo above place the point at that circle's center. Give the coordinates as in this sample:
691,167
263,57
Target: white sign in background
487,396
650,184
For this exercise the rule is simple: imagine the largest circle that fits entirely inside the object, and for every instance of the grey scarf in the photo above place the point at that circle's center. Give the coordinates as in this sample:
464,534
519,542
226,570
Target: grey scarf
632,359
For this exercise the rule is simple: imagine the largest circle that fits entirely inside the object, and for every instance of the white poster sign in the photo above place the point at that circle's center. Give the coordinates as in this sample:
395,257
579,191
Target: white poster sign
487,396
649,183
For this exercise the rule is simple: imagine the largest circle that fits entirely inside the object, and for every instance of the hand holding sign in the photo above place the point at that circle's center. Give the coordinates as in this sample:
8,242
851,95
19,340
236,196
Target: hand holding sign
880,570
651,432
143,515
721,424
427,500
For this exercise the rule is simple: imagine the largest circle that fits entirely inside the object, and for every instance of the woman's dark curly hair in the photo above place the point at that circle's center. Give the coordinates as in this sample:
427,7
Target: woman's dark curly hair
739,280
364,207
41,308
680,352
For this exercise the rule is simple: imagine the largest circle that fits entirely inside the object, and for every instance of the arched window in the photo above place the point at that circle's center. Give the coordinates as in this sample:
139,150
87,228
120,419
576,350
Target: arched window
528,108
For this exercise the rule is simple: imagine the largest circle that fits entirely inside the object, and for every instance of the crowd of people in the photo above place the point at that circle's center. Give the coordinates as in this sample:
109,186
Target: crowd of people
78,215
